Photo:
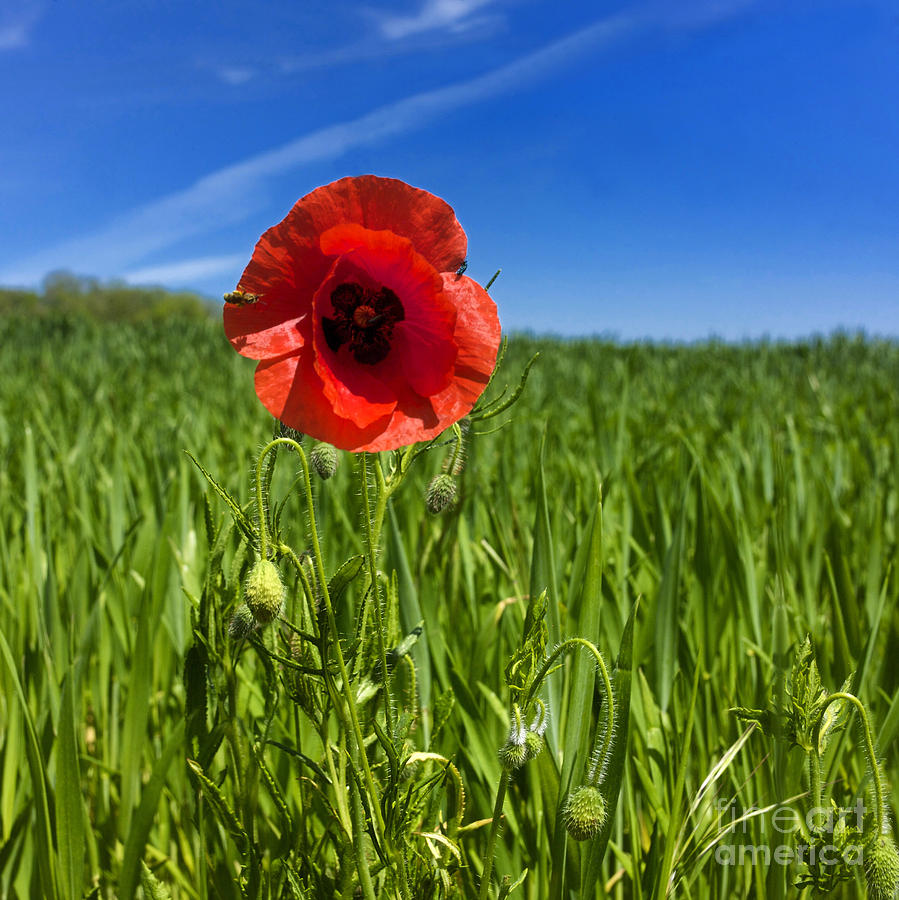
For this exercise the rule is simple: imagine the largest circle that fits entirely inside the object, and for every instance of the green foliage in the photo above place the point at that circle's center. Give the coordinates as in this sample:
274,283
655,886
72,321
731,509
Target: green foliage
736,481
64,294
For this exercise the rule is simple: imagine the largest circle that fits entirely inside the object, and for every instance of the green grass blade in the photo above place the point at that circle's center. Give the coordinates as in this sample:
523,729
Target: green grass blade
69,805
664,883
46,856
667,625
142,821
543,578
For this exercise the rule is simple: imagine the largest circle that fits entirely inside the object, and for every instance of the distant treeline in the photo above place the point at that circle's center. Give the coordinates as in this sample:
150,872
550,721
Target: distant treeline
63,293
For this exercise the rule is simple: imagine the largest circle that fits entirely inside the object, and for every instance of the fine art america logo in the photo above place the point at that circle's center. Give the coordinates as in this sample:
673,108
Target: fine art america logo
826,837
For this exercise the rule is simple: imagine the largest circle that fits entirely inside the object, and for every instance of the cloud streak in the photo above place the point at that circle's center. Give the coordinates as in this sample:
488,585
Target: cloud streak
433,15
187,271
15,30
233,193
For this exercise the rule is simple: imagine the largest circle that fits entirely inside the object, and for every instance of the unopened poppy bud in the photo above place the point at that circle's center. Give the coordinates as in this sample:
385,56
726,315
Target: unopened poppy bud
513,756
324,460
287,432
881,868
533,744
440,493
585,812
264,591
242,622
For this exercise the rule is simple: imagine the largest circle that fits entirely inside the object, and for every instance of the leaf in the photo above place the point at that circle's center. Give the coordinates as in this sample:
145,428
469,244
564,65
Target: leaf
226,815
667,627
543,579
343,577
69,805
239,516
46,858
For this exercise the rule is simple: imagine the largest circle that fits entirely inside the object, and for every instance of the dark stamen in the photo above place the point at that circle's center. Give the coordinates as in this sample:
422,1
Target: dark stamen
363,320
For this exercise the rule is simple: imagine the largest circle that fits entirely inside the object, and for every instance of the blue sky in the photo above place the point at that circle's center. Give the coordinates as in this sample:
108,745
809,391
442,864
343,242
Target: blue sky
671,169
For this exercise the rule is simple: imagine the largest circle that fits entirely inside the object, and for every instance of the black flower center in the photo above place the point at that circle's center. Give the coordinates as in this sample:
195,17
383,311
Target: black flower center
363,320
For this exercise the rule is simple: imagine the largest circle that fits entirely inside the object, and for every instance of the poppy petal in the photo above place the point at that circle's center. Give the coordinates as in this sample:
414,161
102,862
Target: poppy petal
477,338
284,272
386,204
265,329
290,390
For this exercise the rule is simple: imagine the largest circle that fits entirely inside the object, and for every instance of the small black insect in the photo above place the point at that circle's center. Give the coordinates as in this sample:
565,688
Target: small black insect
461,270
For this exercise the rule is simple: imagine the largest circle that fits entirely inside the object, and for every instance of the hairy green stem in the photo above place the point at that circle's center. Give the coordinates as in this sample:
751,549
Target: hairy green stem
814,770
350,709
347,693
372,538
358,815
260,502
879,802
570,644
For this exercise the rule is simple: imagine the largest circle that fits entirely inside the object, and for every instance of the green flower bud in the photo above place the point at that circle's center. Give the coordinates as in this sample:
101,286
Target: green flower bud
264,591
440,493
513,756
242,622
533,744
585,812
881,868
324,460
288,432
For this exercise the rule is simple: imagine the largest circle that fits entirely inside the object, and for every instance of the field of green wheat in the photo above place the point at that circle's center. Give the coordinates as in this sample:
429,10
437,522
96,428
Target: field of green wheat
693,511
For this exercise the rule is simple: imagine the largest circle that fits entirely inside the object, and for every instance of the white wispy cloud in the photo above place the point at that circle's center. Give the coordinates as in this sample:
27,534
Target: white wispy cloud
186,271
235,75
434,14
16,25
233,193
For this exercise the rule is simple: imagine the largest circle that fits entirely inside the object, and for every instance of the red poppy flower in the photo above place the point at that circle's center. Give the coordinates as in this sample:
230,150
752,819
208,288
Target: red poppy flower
366,336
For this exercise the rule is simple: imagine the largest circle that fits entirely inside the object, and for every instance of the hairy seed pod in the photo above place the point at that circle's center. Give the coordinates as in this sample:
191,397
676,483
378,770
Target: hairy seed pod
533,744
513,755
585,812
324,460
242,622
288,432
264,591
881,868
440,493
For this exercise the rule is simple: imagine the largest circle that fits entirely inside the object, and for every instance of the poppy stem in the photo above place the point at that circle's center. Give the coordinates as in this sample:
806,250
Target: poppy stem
372,539
880,810
260,504
347,692
596,765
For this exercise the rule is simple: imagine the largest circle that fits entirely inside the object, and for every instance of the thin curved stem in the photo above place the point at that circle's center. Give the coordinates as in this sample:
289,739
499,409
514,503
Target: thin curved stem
564,647
880,812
